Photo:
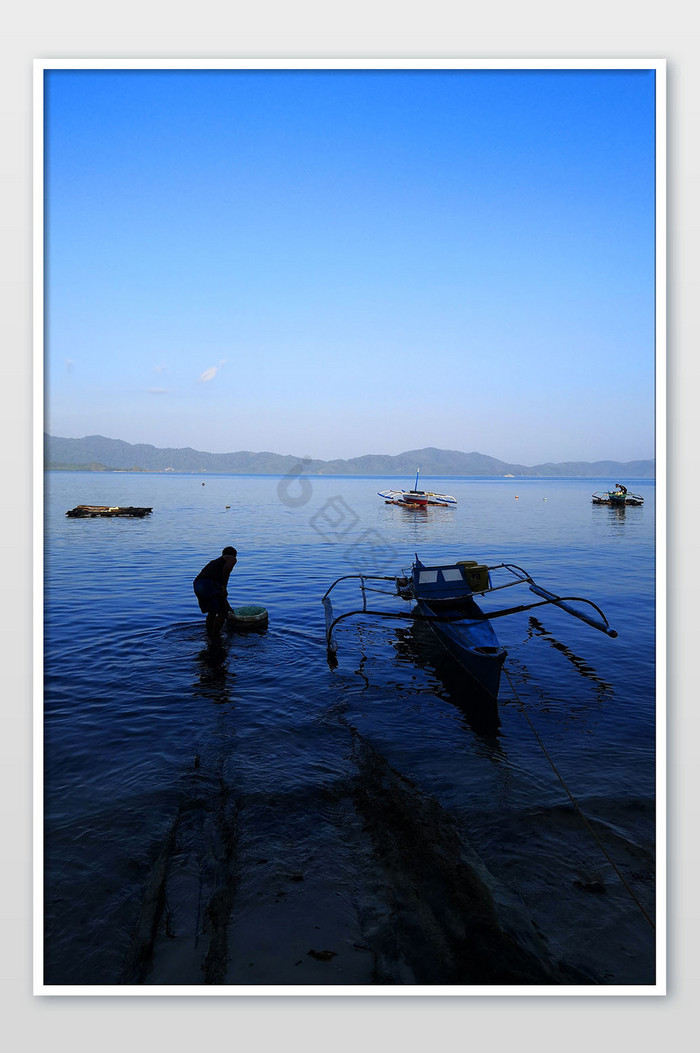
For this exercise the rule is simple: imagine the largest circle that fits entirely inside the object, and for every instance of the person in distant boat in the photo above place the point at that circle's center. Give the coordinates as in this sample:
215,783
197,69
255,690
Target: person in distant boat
211,588
621,488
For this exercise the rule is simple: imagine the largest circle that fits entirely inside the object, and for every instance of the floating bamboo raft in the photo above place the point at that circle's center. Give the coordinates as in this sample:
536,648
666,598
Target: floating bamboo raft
107,511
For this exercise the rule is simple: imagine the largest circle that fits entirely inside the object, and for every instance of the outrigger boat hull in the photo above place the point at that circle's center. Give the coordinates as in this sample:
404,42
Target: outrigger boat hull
617,499
472,642
444,596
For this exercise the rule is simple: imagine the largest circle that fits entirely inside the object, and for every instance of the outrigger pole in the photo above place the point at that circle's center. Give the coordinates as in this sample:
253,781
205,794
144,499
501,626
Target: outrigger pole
551,598
328,607
602,625
548,597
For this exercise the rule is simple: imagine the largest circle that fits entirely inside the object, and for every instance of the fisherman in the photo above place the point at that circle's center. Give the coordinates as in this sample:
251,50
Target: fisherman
210,588
621,488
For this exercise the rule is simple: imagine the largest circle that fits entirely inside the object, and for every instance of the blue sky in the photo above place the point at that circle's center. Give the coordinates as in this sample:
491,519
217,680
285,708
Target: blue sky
330,263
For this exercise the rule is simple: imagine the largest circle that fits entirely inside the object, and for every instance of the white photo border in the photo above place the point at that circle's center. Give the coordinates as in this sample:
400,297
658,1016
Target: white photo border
41,67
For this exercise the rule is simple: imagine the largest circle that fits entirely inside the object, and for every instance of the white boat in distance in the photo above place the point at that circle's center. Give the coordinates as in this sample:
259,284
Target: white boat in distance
416,498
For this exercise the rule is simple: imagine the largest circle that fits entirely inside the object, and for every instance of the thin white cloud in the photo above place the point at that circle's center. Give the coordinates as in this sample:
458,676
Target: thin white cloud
160,369
210,373
158,391
69,363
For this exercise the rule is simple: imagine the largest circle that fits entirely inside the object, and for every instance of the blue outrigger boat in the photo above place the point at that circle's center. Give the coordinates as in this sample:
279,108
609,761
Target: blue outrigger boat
443,595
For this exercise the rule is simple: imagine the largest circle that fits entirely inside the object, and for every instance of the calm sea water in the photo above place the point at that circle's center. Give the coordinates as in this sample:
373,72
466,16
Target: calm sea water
243,814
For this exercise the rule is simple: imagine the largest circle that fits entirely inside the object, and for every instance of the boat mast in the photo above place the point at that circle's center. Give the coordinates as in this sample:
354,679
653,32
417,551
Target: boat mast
416,483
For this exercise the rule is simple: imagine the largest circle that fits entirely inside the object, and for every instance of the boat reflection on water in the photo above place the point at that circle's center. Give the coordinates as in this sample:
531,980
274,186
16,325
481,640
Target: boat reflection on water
419,646
611,509
617,517
602,688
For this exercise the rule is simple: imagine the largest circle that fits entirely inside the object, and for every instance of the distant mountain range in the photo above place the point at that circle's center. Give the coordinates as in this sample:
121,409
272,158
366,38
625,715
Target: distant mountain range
97,454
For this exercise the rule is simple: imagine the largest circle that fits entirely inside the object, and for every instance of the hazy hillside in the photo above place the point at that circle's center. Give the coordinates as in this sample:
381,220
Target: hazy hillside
96,453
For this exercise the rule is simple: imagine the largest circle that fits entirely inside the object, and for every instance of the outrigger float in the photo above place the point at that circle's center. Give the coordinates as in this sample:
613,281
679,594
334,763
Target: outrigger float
107,511
416,498
444,598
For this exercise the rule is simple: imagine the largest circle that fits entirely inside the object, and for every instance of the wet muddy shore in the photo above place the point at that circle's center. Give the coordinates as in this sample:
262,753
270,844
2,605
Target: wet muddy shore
372,884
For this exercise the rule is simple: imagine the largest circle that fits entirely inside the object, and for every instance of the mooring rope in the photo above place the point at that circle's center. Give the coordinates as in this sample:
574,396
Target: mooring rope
575,804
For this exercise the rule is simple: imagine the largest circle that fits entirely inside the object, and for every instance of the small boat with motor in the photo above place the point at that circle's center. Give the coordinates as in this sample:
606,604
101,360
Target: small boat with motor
416,498
618,498
444,597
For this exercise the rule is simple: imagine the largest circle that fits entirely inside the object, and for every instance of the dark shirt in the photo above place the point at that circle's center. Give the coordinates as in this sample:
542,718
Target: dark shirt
217,570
